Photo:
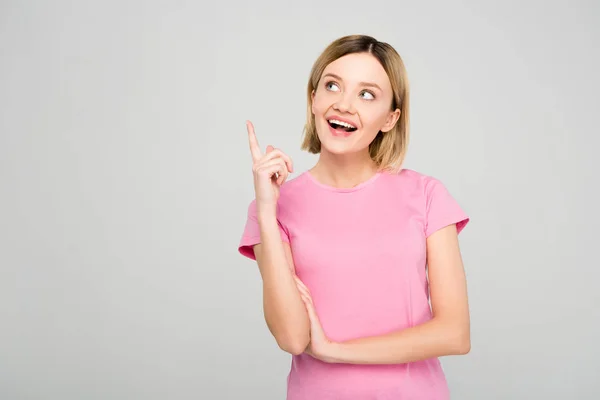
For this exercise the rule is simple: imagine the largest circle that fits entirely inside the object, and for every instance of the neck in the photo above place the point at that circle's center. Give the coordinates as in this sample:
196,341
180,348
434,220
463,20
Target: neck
344,171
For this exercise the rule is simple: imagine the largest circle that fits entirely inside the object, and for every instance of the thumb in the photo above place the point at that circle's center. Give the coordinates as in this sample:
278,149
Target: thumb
270,148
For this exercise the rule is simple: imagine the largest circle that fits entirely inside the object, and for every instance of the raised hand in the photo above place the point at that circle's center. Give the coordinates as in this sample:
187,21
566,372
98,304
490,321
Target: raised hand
270,172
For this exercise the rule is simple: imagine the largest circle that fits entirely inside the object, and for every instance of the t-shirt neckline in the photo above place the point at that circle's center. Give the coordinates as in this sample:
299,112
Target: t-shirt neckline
342,190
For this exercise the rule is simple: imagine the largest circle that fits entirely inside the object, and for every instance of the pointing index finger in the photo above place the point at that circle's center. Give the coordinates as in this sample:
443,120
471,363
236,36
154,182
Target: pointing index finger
254,148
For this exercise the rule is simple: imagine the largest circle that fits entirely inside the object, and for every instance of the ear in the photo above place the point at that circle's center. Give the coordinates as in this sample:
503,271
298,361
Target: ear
391,120
312,102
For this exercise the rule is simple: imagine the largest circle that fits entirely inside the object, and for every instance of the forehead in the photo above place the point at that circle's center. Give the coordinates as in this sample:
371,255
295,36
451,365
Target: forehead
359,67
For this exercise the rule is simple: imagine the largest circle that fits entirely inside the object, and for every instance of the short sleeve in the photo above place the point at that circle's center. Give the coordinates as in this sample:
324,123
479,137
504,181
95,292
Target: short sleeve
251,234
442,209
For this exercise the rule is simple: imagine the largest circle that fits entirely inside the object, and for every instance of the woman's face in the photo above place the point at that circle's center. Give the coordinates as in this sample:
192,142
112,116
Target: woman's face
352,103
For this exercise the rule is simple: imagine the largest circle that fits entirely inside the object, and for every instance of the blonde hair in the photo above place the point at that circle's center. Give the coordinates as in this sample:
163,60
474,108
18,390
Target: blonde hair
388,150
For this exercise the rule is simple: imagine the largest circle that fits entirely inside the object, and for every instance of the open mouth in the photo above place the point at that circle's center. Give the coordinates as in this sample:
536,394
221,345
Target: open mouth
340,125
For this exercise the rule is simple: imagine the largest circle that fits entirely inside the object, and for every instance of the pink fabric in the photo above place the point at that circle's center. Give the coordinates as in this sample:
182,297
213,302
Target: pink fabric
362,254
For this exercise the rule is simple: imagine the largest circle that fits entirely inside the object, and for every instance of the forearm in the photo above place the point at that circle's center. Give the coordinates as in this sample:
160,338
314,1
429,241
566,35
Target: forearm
434,338
284,310
447,333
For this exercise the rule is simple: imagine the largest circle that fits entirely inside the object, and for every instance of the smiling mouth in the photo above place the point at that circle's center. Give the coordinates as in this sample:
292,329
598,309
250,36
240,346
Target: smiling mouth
342,126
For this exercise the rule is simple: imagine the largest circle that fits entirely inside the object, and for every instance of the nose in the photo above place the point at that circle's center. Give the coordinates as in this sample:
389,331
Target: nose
344,103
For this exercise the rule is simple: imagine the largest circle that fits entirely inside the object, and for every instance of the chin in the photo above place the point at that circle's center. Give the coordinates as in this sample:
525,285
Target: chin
337,152
336,147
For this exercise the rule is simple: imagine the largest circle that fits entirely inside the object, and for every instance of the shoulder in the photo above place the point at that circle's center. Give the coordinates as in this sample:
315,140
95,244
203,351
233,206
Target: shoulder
294,185
417,189
439,207
291,189
414,181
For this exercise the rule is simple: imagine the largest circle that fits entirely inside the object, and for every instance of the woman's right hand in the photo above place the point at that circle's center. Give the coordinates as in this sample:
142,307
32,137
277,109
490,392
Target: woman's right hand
270,172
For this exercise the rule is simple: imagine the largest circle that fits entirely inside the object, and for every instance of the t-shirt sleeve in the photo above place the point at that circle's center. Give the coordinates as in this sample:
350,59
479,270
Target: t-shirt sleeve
442,209
251,234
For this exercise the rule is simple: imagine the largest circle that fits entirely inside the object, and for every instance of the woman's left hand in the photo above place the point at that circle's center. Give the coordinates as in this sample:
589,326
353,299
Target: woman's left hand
319,346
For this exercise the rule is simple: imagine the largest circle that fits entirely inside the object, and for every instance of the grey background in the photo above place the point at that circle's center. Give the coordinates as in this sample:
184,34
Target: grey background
125,179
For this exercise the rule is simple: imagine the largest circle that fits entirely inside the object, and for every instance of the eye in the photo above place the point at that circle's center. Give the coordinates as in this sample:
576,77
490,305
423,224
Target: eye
370,96
331,84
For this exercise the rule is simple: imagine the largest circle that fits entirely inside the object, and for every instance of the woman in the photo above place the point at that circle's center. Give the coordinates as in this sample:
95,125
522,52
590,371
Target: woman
352,251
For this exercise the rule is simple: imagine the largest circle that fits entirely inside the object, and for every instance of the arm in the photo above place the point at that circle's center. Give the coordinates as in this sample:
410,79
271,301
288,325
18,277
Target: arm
447,333
284,310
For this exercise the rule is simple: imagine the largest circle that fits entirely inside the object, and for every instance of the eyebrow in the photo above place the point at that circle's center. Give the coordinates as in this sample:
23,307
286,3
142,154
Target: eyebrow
360,83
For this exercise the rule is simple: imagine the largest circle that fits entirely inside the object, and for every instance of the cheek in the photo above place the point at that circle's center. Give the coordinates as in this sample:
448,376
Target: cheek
373,118
322,102
318,106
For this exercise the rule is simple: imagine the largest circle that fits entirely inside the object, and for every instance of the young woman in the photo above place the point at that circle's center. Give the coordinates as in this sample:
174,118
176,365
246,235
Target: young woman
363,281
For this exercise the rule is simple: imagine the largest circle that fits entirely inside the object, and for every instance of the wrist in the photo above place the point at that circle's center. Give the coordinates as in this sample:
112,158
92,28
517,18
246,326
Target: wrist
266,214
336,352
331,353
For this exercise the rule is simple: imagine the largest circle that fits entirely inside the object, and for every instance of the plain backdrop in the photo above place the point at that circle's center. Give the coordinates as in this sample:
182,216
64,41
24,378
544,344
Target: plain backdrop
125,177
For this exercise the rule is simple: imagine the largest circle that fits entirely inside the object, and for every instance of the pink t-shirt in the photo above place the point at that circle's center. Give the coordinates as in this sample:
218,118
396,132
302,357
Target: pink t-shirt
362,254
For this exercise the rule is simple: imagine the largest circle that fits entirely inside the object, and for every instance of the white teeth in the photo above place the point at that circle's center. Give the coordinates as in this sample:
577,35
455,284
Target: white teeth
335,121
